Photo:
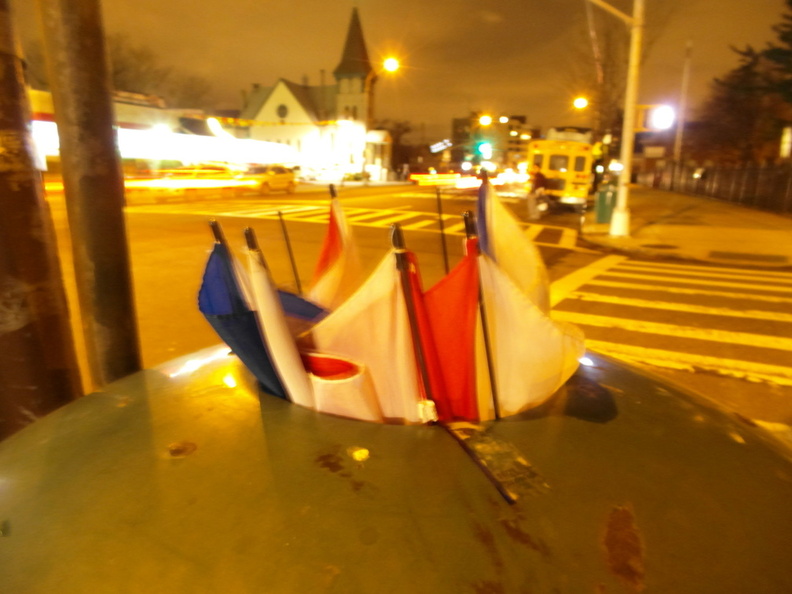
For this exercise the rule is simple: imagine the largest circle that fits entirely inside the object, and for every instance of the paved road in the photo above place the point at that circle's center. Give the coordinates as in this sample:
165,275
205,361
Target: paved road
730,321
721,330
315,211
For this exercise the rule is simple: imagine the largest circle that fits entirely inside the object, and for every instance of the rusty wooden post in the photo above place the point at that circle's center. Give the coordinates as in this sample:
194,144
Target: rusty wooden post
38,365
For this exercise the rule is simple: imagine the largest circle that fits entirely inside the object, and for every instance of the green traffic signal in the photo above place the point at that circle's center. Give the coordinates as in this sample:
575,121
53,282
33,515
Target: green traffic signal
484,149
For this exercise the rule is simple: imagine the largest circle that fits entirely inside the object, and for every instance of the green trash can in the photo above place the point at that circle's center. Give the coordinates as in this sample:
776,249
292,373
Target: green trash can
604,203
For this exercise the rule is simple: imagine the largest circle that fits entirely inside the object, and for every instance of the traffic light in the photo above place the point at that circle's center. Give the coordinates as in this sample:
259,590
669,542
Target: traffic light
484,149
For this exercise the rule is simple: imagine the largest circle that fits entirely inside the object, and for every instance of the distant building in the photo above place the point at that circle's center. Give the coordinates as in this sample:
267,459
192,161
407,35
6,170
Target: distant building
325,129
329,124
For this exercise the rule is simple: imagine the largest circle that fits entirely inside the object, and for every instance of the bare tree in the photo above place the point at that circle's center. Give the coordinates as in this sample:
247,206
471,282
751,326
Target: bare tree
135,69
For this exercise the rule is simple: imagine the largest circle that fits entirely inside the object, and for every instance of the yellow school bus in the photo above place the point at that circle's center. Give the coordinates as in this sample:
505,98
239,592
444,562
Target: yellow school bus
566,161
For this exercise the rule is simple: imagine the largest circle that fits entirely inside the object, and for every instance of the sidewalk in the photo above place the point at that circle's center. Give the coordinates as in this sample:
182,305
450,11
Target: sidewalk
671,225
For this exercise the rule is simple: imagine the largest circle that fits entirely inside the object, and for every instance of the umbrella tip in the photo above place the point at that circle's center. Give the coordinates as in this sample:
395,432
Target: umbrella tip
470,224
217,231
250,239
397,237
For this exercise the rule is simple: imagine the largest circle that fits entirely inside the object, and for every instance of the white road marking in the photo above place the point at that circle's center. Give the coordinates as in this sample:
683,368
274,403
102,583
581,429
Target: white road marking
355,218
750,371
302,211
686,291
707,270
395,218
682,307
421,224
456,229
707,282
754,287
724,336
561,288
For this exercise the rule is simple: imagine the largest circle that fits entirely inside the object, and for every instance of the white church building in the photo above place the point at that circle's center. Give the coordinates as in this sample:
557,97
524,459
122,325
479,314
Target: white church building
328,126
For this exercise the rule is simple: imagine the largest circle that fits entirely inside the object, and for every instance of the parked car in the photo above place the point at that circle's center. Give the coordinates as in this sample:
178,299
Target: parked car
272,177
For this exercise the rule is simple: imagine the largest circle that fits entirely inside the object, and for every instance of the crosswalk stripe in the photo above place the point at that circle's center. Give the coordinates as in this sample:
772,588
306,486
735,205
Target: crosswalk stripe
456,228
420,224
403,216
723,336
684,291
708,282
707,269
315,212
292,209
355,218
690,362
310,218
682,307
639,267
561,288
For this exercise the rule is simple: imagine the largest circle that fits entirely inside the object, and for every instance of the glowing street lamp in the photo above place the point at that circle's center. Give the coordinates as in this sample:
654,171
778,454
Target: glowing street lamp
580,103
662,117
485,120
391,64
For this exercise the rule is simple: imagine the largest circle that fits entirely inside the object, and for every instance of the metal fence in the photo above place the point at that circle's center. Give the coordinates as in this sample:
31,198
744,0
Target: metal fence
766,188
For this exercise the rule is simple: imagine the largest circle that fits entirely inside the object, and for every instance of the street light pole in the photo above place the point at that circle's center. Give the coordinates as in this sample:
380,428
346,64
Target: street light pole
680,127
620,219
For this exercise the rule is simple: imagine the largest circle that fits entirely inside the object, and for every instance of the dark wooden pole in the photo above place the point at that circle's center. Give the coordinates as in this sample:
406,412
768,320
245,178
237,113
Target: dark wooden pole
94,186
38,365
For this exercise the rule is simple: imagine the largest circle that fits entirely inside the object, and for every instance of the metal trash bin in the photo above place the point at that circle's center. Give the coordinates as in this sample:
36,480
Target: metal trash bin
604,203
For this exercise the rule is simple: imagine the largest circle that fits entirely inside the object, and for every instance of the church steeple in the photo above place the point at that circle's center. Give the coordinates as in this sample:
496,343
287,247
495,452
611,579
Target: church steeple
354,61
355,77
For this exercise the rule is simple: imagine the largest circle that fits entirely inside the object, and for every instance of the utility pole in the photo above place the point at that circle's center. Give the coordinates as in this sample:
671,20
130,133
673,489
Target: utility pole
93,184
38,365
620,219
680,127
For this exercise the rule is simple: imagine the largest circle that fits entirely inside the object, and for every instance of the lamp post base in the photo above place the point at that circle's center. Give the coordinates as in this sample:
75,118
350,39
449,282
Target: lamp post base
620,222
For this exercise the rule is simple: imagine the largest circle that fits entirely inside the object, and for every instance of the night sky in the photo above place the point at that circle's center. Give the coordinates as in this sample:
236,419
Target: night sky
509,56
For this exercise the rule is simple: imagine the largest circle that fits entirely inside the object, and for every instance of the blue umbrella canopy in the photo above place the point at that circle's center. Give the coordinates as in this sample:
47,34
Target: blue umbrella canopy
222,303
